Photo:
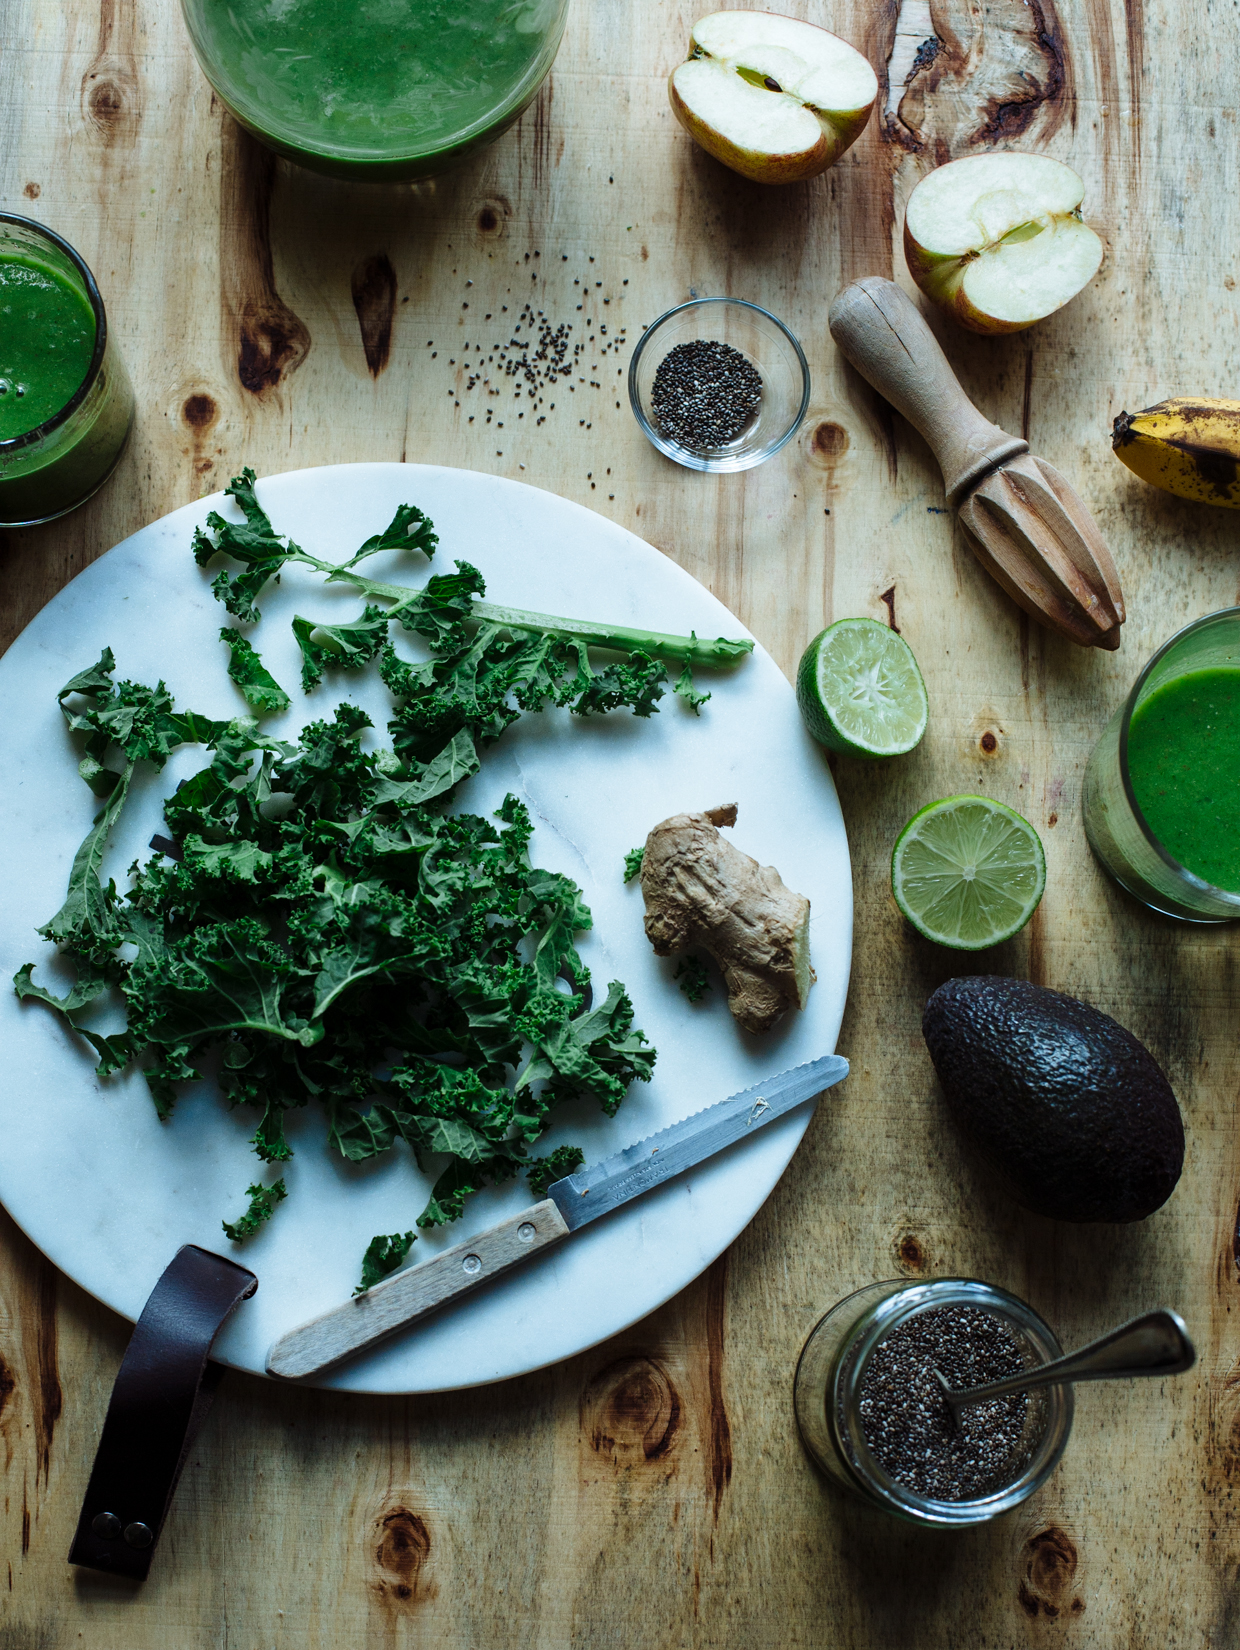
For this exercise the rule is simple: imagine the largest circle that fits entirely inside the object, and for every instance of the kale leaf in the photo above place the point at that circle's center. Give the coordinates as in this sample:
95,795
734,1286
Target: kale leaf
545,1171
694,977
383,1255
259,688
263,1200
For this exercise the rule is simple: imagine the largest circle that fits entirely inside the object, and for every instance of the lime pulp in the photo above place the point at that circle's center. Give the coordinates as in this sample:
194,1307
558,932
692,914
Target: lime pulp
968,872
860,690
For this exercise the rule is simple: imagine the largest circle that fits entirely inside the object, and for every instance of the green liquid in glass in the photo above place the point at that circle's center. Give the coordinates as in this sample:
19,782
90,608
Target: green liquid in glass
1184,765
375,81
47,338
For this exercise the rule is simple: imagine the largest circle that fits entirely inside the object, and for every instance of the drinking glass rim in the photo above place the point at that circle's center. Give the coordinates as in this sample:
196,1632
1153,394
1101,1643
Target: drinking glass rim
1229,895
14,443
885,1316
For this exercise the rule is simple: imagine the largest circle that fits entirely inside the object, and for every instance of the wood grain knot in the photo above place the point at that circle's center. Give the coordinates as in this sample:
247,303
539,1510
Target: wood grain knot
110,97
32,191
631,1410
830,440
1006,117
401,1556
374,298
1048,1570
493,215
988,744
8,1385
272,342
911,1253
106,103
200,411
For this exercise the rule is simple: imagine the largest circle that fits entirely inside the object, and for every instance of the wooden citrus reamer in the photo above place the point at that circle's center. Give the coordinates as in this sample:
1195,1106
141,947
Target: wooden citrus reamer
1026,523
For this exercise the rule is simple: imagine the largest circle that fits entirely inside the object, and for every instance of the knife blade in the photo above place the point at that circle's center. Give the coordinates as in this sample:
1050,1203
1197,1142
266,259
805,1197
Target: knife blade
570,1204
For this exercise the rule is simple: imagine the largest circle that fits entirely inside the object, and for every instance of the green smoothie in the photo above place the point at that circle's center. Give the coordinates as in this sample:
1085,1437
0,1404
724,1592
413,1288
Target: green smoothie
65,400
401,87
47,338
1184,766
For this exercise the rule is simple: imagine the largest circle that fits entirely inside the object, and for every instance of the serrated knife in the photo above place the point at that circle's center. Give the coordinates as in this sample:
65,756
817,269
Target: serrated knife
569,1205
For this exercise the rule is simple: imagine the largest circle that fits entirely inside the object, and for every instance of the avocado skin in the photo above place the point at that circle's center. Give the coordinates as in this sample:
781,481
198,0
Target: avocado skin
1068,1108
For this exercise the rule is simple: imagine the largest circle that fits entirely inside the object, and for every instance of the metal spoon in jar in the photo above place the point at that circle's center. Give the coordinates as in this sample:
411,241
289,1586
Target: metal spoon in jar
1156,1343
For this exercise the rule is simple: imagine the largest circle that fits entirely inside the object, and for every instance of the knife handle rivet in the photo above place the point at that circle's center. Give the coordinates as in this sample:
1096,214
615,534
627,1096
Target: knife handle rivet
472,1264
527,1231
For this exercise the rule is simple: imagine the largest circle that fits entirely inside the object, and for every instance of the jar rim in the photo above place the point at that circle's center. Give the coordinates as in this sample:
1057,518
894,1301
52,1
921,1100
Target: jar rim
1198,884
15,443
843,1395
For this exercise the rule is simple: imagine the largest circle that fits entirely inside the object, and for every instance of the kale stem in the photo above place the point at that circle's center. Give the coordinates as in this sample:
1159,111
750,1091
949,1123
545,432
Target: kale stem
722,650
699,650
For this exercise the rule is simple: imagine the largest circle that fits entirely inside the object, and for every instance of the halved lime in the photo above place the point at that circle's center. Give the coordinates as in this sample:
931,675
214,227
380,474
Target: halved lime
968,872
860,690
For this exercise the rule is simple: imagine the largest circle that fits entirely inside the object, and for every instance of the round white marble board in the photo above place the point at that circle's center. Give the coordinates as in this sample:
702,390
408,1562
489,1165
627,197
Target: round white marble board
109,1193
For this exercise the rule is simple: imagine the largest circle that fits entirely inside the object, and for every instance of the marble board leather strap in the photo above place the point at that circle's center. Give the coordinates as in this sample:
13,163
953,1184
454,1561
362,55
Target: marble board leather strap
162,1394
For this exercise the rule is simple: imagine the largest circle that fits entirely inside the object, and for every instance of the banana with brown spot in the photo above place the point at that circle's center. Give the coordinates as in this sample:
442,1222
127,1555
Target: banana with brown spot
1189,445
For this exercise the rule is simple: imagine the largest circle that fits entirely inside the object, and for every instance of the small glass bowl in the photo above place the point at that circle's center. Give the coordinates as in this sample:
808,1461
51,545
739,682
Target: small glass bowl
767,344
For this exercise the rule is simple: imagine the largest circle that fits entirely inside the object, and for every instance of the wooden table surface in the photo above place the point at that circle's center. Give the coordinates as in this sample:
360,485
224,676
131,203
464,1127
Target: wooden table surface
652,1492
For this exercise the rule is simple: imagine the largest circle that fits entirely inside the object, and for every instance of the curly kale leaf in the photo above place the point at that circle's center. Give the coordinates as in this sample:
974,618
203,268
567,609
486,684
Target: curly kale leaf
259,688
694,977
545,1171
262,1205
130,723
263,554
685,690
408,529
346,646
383,1255
254,543
633,863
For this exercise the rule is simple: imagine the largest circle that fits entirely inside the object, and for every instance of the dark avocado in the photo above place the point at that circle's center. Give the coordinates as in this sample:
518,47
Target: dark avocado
1067,1107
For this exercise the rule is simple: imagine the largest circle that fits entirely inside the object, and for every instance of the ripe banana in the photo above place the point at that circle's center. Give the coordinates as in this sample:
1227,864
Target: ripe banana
1188,445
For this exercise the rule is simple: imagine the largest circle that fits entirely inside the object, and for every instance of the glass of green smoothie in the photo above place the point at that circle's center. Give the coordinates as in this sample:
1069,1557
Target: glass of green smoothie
376,89
1162,788
66,405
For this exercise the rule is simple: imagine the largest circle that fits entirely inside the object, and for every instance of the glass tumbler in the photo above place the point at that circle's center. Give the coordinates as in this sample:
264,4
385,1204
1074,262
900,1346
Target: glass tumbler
832,1370
49,470
377,90
1117,830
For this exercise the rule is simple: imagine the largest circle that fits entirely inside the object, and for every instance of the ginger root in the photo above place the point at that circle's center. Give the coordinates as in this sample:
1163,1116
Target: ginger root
700,890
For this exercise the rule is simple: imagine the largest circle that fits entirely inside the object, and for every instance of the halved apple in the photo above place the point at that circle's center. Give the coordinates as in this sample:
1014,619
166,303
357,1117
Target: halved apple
775,99
997,240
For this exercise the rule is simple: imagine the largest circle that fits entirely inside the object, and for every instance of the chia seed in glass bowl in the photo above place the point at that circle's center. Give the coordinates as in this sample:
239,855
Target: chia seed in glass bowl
718,384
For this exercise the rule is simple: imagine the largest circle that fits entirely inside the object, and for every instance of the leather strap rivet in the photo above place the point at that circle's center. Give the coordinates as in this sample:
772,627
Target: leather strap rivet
139,1535
107,1526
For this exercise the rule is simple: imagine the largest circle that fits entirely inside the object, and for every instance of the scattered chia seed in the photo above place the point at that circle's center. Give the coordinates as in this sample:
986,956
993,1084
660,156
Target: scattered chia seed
905,1418
705,393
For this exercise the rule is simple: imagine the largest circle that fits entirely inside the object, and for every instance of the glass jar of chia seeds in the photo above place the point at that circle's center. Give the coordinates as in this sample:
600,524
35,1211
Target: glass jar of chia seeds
871,1412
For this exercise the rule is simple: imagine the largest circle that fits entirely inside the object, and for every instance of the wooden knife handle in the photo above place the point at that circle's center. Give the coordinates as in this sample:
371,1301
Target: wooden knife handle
879,329
415,1293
